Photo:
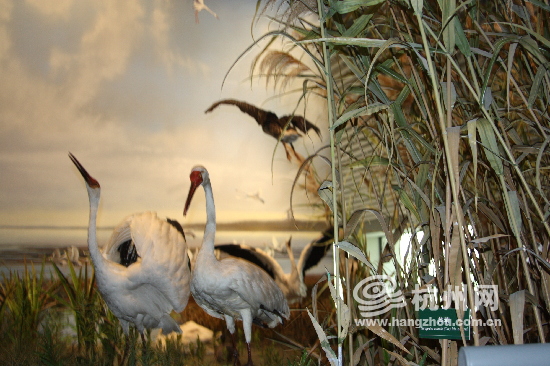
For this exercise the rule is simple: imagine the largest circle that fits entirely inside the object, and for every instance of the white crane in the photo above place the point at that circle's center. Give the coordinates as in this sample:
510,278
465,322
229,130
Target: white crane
292,283
71,254
231,289
143,272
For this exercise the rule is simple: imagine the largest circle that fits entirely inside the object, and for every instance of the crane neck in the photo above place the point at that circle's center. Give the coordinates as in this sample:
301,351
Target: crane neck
93,247
210,229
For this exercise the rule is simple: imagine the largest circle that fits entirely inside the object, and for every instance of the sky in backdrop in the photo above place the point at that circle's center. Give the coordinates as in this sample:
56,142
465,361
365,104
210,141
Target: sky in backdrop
123,85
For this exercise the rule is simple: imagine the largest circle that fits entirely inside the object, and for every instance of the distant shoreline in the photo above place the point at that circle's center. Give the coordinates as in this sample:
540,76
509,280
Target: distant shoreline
284,225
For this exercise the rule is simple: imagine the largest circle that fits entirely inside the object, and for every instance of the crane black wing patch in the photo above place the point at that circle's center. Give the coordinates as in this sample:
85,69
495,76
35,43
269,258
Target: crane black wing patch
128,253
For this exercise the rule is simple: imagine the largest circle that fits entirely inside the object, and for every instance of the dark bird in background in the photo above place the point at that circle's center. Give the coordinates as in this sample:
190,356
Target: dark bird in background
292,283
286,128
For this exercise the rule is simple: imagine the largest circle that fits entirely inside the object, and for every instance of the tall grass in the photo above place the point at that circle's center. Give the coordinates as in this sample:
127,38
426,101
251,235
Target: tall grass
24,299
36,308
439,123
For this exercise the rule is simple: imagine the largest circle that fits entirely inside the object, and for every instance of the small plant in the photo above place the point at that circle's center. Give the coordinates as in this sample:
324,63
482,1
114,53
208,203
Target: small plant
26,297
82,298
304,360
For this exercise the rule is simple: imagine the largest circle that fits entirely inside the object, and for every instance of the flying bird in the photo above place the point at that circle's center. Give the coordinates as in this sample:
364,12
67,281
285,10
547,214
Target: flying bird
286,128
199,6
231,288
254,196
292,283
142,273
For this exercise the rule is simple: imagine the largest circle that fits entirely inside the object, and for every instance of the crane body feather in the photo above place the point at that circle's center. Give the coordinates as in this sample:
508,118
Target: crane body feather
144,292
231,289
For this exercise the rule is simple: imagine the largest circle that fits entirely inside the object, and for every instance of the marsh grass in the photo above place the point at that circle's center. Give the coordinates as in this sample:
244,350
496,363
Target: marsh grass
35,322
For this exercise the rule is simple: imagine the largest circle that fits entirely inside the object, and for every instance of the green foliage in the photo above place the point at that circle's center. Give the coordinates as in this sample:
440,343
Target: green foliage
25,296
83,299
37,329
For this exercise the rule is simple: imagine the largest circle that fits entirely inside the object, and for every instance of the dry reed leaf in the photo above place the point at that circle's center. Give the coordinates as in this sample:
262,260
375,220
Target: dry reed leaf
453,355
435,233
446,97
491,215
314,294
483,340
381,332
546,287
487,238
515,213
488,98
342,308
358,215
517,307
325,193
401,359
442,215
455,259
448,9
407,202
453,137
356,252
358,351
331,356
473,148
417,6
510,66
353,114
489,141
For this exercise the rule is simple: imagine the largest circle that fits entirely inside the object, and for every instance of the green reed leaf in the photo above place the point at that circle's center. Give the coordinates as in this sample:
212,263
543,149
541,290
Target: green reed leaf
490,146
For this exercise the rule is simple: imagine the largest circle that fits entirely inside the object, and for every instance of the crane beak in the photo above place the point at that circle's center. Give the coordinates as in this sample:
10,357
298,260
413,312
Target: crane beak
192,190
91,182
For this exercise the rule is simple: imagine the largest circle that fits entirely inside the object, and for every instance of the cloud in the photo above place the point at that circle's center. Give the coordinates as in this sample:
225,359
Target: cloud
123,85
54,9
104,52
5,15
162,22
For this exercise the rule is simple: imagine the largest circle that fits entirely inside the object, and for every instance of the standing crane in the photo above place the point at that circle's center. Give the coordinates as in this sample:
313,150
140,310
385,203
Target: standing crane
286,128
142,273
231,288
292,283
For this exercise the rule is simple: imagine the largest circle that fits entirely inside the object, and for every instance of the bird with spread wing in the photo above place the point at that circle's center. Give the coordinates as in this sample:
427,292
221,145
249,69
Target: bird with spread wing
287,128
142,273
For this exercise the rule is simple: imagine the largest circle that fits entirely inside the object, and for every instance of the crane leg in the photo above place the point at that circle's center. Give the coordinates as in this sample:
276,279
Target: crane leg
230,323
236,361
246,316
143,345
249,363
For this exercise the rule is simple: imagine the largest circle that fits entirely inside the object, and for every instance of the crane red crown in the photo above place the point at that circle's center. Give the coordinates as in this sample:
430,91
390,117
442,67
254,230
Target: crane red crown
195,177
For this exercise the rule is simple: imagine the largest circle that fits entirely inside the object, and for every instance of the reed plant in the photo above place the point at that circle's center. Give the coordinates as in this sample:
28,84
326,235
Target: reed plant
35,307
81,297
439,121
25,298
